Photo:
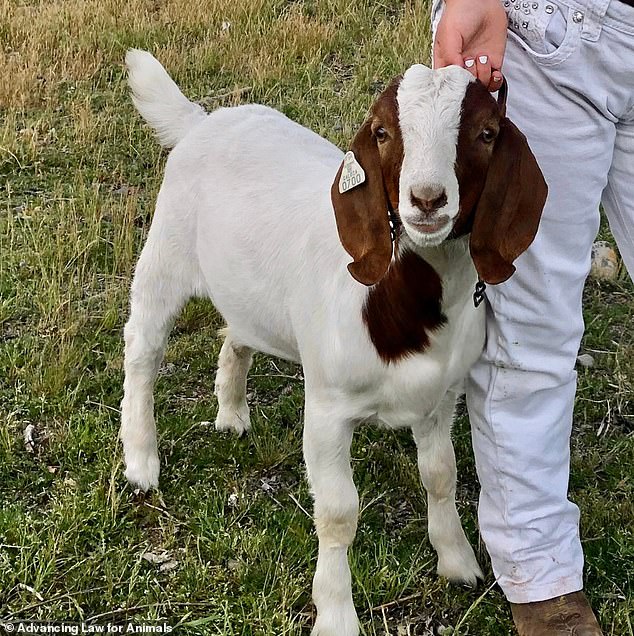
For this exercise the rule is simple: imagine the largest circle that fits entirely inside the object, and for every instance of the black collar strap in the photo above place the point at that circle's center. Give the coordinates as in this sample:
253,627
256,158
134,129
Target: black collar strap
394,221
478,294
502,93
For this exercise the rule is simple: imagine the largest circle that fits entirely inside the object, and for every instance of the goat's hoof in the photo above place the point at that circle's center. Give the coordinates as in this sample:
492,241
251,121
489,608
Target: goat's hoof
142,472
460,566
341,621
236,420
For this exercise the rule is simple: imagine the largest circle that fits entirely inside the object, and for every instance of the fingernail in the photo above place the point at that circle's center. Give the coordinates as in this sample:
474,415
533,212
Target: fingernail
497,79
483,59
469,63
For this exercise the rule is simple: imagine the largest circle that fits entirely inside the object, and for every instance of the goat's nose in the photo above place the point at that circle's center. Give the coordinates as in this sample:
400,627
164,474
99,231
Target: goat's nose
429,199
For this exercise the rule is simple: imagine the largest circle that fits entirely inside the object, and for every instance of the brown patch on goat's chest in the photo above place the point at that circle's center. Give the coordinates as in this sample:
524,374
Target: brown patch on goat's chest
404,308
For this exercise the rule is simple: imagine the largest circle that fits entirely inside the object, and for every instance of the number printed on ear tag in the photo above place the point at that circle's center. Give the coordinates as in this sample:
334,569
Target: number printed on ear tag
352,174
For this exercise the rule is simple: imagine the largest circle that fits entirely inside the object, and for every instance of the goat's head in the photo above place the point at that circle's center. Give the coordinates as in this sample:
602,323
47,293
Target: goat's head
438,147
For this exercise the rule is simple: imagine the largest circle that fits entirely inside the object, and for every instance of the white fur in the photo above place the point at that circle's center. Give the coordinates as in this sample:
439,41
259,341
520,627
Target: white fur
244,217
159,100
429,114
234,362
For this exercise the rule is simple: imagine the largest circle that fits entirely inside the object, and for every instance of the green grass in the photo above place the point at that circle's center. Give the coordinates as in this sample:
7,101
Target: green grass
78,177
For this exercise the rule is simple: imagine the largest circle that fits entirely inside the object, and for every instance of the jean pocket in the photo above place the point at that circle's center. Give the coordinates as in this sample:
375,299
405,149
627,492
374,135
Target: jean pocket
546,30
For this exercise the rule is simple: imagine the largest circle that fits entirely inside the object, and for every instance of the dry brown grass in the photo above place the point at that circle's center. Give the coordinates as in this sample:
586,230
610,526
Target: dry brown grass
47,43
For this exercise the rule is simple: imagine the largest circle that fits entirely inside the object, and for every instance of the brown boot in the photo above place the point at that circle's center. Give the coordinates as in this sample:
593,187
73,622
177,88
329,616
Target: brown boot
568,615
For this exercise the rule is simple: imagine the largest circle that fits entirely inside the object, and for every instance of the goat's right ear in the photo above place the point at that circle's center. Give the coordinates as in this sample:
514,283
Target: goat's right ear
510,207
361,213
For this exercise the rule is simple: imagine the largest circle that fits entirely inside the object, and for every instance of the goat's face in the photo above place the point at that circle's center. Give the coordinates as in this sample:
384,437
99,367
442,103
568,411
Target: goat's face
437,146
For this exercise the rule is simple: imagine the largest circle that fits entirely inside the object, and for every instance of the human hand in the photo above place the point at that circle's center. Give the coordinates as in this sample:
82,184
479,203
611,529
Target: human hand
472,34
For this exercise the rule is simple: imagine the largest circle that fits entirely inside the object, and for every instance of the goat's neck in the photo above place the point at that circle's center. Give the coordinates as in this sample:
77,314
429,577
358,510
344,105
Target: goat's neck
444,257
452,262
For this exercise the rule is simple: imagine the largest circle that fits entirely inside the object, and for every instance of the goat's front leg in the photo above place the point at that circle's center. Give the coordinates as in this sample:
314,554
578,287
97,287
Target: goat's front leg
327,442
158,294
437,466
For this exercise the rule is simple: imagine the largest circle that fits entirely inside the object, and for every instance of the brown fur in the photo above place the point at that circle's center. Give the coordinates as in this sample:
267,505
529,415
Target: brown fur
403,307
502,189
502,193
361,213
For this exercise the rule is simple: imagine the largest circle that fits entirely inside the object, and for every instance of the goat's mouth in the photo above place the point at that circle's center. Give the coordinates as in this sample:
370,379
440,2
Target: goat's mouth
431,226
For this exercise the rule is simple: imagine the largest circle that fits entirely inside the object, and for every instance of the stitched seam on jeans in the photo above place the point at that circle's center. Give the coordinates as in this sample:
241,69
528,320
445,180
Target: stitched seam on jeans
489,413
611,18
616,25
618,212
535,593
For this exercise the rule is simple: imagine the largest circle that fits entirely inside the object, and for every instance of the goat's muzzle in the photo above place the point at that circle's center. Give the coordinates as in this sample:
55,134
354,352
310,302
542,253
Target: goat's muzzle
429,200
431,225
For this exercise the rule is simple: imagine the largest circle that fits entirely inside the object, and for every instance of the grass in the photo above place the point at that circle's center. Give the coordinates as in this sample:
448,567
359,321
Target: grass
230,530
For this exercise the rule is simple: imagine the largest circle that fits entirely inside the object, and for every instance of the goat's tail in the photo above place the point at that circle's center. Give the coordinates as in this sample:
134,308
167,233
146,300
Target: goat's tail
159,100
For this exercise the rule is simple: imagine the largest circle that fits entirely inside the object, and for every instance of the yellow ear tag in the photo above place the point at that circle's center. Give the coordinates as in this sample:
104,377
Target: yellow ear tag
352,174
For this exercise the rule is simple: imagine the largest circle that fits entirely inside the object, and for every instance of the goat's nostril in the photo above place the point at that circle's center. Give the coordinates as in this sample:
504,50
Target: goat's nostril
429,201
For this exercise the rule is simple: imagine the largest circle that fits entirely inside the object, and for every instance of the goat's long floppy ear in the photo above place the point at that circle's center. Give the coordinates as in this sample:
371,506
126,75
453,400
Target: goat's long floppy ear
361,213
510,206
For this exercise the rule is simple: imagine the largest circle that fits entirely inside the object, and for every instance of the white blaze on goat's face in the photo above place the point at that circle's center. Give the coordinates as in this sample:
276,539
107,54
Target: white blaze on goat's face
429,104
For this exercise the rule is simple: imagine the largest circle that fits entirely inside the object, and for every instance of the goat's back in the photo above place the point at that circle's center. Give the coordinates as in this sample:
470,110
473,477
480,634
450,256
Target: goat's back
247,194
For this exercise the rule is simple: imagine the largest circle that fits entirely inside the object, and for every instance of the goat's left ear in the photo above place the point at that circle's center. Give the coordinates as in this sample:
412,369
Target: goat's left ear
510,206
361,213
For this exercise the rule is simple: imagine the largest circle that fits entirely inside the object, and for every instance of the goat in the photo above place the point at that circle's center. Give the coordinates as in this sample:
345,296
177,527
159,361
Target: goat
245,218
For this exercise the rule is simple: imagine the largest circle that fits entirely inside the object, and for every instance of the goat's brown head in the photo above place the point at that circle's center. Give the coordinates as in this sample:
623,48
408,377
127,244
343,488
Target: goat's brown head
438,147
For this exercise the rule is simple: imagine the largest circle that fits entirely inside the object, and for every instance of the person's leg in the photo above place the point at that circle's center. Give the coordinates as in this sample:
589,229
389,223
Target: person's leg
521,392
618,198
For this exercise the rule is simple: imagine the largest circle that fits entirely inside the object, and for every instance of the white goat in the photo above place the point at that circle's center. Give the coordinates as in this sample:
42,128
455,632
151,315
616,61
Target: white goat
246,217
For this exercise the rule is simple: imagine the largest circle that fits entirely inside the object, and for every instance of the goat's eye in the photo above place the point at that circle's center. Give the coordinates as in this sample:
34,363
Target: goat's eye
488,135
380,133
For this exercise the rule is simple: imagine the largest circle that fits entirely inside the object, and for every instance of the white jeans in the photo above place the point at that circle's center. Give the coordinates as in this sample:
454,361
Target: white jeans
571,91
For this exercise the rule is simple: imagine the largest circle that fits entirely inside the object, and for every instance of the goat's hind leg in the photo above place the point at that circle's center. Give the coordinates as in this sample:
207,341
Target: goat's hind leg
157,296
437,466
234,363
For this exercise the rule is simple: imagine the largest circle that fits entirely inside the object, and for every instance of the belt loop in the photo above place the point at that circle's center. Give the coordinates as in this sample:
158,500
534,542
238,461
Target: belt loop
592,17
